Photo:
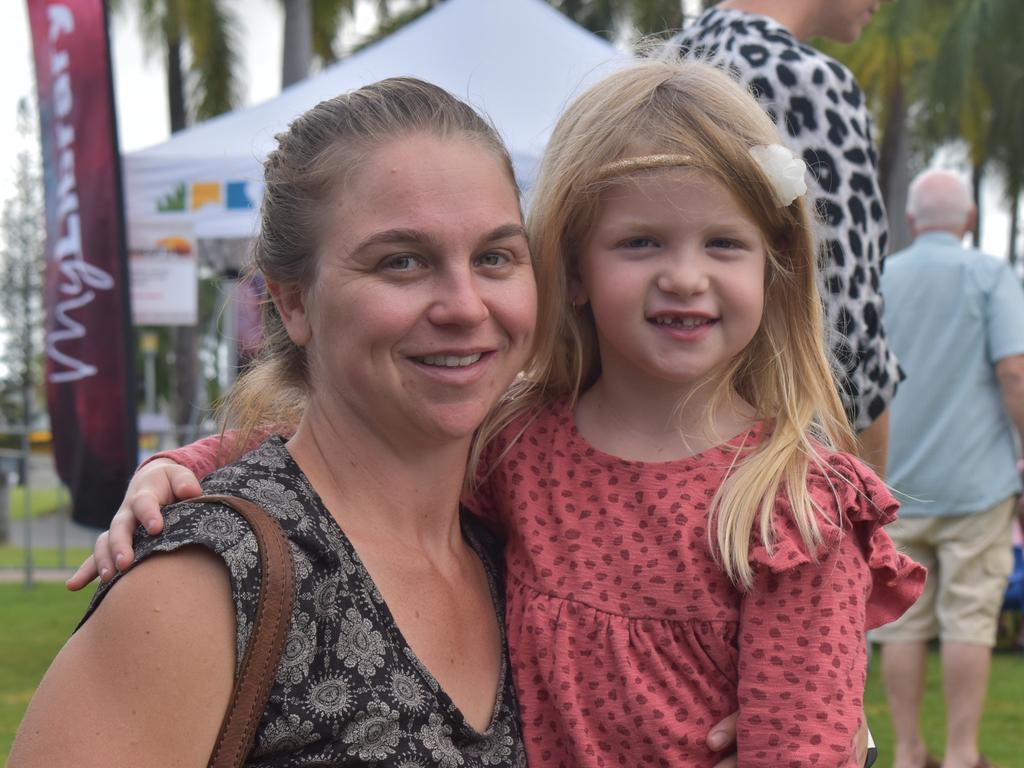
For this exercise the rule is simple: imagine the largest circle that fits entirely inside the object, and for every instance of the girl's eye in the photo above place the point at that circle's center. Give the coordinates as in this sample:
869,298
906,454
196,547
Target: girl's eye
402,262
723,243
640,242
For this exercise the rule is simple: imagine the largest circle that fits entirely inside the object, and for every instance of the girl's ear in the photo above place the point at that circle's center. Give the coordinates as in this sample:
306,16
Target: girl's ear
292,305
577,292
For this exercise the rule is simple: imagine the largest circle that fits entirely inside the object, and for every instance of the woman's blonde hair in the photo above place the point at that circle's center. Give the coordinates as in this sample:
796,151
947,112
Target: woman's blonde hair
703,120
314,160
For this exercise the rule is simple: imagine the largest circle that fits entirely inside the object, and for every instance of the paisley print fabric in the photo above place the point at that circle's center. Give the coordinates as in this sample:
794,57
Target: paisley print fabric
349,690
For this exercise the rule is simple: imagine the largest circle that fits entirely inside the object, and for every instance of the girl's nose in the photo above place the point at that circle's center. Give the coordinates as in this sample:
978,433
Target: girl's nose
458,300
683,275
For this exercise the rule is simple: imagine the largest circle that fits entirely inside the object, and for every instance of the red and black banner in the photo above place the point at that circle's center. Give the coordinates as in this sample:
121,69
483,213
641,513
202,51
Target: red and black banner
90,369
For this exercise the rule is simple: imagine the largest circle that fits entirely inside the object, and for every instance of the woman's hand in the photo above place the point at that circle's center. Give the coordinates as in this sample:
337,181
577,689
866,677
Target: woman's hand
158,483
722,738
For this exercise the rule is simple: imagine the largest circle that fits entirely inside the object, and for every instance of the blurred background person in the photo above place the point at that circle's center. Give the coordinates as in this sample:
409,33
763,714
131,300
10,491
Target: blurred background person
955,317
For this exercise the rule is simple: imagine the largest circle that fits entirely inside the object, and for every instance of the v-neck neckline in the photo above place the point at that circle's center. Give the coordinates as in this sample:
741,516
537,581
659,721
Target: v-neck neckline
402,646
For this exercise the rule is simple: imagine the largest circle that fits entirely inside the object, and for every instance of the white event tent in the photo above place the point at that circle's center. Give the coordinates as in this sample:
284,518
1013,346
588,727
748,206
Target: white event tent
518,61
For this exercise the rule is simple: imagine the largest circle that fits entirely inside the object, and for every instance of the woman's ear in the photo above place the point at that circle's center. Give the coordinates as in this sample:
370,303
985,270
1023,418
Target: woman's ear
293,306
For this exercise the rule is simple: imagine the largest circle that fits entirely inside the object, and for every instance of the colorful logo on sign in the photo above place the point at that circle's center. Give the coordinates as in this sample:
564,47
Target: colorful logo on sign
231,195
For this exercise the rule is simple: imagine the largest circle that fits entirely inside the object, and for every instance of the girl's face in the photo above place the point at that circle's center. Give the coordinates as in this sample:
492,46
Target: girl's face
424,303
674,271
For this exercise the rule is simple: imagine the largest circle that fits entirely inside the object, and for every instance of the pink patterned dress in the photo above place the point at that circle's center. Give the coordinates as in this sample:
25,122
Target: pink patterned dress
627,640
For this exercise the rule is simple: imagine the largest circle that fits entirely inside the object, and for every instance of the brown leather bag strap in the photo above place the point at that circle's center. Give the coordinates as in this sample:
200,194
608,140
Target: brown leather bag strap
267,639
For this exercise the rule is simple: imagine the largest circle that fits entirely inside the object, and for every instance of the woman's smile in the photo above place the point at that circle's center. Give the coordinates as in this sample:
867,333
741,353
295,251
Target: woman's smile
425,303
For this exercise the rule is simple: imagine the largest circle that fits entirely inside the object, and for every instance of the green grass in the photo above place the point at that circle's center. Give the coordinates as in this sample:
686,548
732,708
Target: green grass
42,501
35,624
12,556
1002,726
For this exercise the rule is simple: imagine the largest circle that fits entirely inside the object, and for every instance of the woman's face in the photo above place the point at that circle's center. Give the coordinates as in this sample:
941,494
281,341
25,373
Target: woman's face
424,305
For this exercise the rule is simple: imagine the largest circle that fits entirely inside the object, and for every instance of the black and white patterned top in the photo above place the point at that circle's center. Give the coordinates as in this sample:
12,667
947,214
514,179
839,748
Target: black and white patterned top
349,690
821,113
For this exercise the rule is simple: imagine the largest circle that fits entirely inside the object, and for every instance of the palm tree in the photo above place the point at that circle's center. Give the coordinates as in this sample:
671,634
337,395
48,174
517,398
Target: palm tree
940,71
654,17
310,30
887,61
203,32
975,91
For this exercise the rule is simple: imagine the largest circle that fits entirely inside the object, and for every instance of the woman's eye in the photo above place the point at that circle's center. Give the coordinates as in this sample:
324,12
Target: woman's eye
402,262
493,259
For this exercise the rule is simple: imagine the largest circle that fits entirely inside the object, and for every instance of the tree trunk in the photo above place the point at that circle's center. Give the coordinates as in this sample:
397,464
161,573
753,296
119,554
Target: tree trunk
298,41
1011,249
894,170
977,173
186,339
893,136
175,81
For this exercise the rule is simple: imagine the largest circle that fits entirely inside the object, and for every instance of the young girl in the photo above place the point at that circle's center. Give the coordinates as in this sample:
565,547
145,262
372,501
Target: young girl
684,535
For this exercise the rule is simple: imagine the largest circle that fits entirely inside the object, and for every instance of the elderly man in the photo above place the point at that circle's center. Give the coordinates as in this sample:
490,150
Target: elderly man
822,112
956,319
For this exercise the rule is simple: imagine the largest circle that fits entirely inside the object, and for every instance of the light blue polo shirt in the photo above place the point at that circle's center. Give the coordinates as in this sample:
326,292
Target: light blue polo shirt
951,313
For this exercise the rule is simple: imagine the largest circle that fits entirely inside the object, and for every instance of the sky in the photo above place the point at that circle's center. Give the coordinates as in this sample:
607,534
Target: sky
141,91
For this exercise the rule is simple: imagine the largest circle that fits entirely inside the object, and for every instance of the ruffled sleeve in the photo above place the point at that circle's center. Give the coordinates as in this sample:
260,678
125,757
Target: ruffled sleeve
896,580
860,505
802,625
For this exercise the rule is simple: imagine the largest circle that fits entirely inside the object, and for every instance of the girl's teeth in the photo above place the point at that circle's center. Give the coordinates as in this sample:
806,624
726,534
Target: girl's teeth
450,361
682,322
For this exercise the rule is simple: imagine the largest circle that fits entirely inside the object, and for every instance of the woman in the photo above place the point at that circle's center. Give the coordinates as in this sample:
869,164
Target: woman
404,304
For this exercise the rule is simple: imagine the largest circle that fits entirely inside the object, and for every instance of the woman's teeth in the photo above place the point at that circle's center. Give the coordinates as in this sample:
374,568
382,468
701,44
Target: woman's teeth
450,361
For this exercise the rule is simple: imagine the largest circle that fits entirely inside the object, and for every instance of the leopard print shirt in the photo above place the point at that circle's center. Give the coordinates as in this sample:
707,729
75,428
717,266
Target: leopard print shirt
349,690
821,112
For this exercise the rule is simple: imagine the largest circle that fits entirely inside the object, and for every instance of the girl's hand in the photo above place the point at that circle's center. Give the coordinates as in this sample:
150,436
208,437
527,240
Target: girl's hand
722,738
158,483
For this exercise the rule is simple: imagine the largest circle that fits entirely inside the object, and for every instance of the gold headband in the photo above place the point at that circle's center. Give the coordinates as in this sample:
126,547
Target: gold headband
642,163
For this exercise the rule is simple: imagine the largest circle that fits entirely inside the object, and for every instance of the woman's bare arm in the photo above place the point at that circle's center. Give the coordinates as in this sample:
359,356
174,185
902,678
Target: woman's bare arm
146,681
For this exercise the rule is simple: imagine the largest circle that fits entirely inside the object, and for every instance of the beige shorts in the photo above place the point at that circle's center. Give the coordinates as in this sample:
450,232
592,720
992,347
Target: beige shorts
969,559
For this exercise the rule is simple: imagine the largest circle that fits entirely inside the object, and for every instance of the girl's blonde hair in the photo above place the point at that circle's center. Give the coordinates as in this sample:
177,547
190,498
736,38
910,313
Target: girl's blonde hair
706,121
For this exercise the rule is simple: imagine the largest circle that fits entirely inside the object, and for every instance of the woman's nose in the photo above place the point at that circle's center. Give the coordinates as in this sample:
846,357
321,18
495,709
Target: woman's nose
459,300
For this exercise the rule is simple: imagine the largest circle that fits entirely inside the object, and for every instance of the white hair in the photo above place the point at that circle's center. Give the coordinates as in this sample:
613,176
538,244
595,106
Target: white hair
939,199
